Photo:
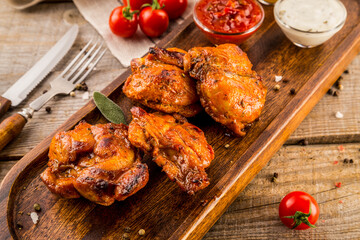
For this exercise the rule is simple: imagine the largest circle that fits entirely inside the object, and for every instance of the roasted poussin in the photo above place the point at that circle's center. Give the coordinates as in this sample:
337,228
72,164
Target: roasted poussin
230,91
162,86
177,146
96,162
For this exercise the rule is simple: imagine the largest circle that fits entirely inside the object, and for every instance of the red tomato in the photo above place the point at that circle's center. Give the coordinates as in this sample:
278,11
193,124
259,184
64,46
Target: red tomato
174,8
122,22
153,22
299,210
136,4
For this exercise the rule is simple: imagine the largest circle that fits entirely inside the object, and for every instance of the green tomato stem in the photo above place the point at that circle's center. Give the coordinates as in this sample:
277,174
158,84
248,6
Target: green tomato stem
300,217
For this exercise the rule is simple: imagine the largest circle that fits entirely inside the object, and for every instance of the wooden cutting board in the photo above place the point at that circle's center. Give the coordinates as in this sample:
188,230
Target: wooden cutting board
161,208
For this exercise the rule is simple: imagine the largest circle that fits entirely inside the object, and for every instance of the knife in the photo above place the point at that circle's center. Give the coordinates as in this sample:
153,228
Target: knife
23,86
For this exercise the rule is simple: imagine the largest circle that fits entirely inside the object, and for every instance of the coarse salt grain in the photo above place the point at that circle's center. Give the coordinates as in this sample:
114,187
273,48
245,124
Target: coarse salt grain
34,217
86,95
339,115
278,78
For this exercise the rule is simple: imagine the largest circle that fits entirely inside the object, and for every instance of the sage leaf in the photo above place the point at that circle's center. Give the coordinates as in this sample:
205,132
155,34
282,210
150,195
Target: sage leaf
110,110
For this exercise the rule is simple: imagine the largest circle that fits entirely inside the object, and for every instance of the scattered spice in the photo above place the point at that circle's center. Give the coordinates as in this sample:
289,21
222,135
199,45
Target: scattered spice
48,109
336,162
330,91
20,212
45,91
204,202
340,87
286,80
338,185
336,93
339,115
86,95
351,161
341,148
274,179
72,94
141,232
346,160
346,71
303,142
278,78
37,207
34,217
277,87
81,86
340,201
292,91
28,214
127,229
19,226
126,236
24,188
227,146
276,175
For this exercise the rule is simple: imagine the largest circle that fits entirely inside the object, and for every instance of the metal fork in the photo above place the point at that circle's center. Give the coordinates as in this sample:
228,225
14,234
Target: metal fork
63,84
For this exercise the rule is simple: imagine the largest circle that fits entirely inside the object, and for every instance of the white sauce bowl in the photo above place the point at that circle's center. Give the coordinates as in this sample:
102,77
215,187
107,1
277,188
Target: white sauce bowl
309,23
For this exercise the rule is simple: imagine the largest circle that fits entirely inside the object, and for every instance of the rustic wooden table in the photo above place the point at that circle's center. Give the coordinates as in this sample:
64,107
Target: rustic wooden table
315,168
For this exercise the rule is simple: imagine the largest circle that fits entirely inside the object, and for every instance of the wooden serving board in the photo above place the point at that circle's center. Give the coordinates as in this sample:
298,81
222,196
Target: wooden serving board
161,208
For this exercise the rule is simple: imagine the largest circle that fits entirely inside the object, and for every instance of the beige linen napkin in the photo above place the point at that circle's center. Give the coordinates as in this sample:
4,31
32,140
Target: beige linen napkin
97,13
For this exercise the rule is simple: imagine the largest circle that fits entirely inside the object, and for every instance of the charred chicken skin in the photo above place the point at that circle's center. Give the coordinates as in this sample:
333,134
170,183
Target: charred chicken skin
231,93
177,146
163,87
96,162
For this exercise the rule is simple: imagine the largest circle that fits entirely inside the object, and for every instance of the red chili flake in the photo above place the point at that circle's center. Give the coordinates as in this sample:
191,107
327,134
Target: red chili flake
341,148
323,220
336,162
340,201
338,185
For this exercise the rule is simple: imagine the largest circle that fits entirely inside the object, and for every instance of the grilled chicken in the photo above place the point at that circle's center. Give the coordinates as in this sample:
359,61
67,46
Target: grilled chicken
162,86
177,146
231,93
96,162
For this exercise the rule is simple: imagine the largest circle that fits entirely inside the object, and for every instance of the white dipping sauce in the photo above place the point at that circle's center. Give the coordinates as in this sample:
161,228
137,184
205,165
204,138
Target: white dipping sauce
309,23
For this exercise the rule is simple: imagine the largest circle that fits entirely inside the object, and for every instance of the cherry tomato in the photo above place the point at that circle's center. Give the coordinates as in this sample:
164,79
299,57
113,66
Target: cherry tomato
136,4
299,210
174,8
122,22
153,22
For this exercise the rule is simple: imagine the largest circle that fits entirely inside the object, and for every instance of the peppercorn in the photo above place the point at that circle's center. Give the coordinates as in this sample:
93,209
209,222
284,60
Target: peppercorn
48,109
19,226
346,71
127,229
277,87
303,142
346,160
336,93
72,94
141,232
292,91
351,161
285,80
45,91
330,91
37,207
227,146
125,236
341,87
276,175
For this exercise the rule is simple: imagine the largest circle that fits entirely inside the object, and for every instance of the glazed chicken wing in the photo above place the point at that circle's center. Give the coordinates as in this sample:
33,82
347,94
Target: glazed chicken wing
162,86
96,162
231,93
177,146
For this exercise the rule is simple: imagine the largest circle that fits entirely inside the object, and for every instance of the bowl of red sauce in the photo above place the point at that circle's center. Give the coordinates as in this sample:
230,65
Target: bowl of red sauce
228,21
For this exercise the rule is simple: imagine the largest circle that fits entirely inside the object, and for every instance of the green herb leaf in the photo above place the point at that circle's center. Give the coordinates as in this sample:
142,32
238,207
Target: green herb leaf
110,110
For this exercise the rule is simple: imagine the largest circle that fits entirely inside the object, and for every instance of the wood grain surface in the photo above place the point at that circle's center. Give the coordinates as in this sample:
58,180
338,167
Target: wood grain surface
231,227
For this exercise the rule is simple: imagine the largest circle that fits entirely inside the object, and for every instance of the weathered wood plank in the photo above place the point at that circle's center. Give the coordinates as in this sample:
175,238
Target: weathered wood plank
314,169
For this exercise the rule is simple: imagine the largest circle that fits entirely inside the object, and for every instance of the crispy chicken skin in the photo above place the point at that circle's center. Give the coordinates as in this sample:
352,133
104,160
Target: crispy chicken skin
231,93
162,86
177,146
96,162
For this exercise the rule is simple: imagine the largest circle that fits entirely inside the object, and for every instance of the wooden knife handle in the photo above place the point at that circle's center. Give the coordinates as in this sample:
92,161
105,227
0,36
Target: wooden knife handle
4,105
10,128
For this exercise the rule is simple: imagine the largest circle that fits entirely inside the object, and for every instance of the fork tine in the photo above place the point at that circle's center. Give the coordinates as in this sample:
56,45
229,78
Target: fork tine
92,67
78,65
83,68
76,58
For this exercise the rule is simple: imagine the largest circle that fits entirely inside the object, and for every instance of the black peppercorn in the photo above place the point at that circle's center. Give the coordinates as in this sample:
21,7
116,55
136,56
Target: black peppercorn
48,109
292,91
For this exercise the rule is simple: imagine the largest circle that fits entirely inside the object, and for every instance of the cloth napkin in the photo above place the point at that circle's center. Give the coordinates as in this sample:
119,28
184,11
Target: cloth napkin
97,13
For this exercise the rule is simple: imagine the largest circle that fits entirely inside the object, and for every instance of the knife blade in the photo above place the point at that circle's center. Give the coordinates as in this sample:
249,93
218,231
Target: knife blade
24,85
